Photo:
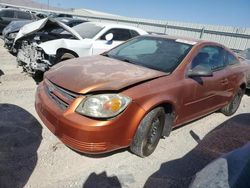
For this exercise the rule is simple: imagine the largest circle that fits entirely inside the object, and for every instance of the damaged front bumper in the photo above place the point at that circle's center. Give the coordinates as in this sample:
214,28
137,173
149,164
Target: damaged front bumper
8,43
33,59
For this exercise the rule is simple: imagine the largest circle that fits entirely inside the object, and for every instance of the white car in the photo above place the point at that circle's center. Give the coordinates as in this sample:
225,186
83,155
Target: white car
54,42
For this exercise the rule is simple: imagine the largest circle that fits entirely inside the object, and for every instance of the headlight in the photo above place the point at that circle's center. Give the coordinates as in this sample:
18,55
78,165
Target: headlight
12,35
103,105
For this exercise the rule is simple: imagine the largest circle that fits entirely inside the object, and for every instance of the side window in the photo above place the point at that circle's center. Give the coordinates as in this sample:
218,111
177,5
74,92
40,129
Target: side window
134,33
119,34
75,23
211,56
231,59
33,17
7,13
23,15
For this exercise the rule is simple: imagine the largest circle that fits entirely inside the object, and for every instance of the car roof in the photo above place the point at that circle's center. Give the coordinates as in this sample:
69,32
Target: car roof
69,19
13,9
103,24
187,40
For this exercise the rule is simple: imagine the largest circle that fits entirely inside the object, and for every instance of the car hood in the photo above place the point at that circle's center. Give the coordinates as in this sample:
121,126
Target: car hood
33,27
98,73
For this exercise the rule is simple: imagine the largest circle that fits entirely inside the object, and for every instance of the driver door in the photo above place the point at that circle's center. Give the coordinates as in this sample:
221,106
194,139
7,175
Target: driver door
207,92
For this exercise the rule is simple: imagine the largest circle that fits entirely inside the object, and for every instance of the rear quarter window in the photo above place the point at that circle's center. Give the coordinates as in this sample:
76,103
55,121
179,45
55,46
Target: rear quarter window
231,59
134,33
119,34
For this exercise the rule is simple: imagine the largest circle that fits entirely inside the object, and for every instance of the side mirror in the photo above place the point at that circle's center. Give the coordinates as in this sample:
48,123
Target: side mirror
109,37
200,71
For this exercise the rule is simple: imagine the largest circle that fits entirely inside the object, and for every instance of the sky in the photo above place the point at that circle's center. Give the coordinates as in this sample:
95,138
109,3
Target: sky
215,12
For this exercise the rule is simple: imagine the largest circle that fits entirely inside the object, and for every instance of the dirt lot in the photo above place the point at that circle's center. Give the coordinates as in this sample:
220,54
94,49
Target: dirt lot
31,156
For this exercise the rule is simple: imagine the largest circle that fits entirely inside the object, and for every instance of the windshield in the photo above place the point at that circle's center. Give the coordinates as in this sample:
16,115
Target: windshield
87,30
152,52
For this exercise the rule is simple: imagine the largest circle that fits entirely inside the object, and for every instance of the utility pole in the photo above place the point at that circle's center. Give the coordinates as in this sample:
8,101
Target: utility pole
48,4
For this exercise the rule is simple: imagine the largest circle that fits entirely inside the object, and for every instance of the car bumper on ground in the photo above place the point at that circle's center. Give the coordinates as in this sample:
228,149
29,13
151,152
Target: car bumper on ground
85,134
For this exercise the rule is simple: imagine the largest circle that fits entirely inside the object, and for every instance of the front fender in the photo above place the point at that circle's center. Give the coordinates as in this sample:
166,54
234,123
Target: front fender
80,47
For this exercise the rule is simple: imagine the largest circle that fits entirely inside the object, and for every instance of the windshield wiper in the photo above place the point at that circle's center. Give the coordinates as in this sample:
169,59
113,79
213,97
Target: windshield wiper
121,59
105,54
128,61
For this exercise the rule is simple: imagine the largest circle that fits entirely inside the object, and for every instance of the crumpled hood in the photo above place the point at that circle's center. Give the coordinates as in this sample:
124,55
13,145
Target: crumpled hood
98,73
34,27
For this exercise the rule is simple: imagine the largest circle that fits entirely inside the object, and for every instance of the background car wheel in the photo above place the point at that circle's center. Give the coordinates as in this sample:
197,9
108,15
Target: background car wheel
232,107
66,56
38,76
148,133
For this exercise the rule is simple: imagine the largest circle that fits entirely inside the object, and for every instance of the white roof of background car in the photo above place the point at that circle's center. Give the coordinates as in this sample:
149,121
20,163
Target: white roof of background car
112,25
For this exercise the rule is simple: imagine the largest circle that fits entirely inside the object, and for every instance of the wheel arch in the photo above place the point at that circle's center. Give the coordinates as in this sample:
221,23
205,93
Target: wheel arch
170,112
65,50
168,106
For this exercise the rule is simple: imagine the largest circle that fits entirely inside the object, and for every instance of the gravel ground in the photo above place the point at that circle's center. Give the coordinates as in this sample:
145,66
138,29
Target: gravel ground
30,156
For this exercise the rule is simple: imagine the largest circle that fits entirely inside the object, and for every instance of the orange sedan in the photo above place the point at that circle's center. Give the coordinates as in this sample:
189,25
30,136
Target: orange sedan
136,93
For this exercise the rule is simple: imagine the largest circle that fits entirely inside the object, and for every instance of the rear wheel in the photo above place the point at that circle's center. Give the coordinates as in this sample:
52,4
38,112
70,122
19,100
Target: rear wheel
233,106
148,133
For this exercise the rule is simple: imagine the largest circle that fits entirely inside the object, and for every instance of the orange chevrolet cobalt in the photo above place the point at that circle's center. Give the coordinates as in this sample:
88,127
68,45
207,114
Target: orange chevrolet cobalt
136,93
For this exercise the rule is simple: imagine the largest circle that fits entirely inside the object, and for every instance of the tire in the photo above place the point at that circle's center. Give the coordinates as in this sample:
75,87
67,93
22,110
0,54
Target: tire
233,106
148,133
65,56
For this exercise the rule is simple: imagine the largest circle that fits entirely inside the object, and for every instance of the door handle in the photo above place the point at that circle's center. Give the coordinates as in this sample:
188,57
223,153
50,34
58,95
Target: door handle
224,81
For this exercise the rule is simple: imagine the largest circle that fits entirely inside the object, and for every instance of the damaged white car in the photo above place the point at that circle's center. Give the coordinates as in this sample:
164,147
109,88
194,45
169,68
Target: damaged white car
46,42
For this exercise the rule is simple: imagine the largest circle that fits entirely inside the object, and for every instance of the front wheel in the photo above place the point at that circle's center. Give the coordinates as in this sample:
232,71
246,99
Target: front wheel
148,133
233,106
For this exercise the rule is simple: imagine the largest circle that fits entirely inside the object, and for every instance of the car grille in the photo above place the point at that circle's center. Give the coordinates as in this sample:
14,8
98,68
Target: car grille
61,97
84,146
